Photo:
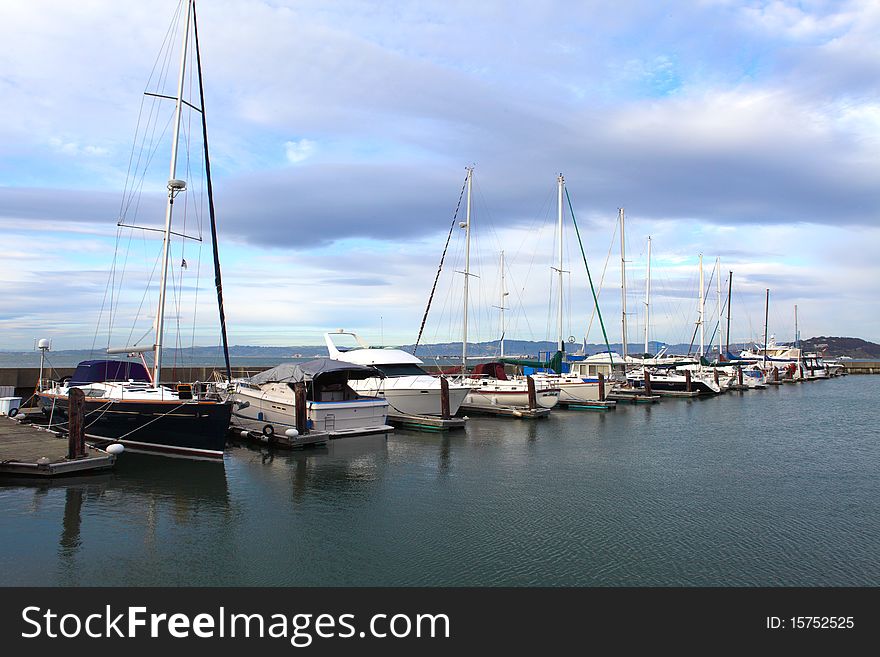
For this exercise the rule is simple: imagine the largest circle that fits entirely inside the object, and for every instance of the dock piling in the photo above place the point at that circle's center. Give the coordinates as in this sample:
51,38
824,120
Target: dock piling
647,382
601,387
76,443
444,399
300,411
687,381
533,397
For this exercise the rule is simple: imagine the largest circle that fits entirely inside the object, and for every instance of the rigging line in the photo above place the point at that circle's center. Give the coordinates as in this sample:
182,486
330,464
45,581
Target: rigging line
440,268
140,111
602,280
144,296
218,283
104,299
589,277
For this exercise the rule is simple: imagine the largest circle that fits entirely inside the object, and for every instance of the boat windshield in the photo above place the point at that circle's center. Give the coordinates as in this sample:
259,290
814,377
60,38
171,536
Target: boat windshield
401,369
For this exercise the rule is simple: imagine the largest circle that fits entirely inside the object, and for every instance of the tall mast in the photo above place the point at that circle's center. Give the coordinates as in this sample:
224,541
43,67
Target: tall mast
766,316
467,272
218,283
502,307
560,180
648,296
702,336
797,337
718,295
174,187
729,289
622,281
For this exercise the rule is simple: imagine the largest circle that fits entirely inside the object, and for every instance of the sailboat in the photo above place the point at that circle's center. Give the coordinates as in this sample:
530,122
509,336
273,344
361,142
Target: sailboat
126,401
574,388
490,386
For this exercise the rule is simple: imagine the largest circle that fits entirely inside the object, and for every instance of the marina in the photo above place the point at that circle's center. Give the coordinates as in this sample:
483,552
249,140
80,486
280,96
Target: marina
742,490
534,386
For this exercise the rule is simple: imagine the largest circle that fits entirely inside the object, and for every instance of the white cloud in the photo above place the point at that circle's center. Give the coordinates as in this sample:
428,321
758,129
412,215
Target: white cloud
299,151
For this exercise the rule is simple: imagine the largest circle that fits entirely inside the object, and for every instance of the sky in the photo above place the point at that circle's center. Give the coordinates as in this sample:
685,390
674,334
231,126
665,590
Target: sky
340,134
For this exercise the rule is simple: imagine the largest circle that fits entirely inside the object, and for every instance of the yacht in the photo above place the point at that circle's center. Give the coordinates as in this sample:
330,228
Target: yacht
401,379
332,405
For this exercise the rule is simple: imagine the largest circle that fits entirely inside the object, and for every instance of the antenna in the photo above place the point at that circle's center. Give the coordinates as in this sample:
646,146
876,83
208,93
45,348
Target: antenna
43,345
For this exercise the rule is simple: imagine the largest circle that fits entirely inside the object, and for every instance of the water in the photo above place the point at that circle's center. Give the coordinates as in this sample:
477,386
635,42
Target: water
774,487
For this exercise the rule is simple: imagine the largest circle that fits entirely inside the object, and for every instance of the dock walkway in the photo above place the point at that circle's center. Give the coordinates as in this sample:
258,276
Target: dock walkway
33,451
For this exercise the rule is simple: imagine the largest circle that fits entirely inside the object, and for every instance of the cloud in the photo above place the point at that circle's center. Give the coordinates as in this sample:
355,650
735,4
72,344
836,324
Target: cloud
298,151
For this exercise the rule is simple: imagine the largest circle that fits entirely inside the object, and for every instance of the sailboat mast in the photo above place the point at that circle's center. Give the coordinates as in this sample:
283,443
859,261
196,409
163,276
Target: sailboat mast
622,281
467,272
174,187
560,180
701,307
218,282
501,307
718,295
766,317
797,336
648,296
729,290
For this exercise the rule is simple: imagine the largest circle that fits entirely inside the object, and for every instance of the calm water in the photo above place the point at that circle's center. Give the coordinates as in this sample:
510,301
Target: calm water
774,487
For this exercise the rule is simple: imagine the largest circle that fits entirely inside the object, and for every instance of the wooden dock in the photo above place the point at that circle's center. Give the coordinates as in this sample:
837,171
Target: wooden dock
427,423
505,411
36,452
679,394
632,396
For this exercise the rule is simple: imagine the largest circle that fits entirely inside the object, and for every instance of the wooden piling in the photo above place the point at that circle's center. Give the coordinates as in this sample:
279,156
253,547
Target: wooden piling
647,382
715,372
533,396
444,399
76,439
300,410
775,374
601,387
739,375
687,381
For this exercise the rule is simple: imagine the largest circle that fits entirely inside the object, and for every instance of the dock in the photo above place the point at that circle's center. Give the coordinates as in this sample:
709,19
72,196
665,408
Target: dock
505,411
276,435
679,394
427,423
632,396
607,405
36,452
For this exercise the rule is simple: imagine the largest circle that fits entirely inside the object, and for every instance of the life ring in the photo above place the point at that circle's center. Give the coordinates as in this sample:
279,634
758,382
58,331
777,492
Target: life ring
268,431
12,412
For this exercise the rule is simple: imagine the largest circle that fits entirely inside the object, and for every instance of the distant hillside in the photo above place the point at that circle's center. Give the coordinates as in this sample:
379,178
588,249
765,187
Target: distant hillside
833,346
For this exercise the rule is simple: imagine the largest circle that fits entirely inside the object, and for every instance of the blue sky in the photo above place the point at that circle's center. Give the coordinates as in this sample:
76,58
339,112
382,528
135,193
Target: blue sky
340,133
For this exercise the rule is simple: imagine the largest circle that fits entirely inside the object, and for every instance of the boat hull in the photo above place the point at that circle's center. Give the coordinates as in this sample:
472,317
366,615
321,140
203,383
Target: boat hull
196,428
416,397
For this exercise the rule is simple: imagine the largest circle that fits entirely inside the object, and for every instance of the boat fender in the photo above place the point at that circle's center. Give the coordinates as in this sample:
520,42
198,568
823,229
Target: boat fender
12,412
115,448
268,431
291,433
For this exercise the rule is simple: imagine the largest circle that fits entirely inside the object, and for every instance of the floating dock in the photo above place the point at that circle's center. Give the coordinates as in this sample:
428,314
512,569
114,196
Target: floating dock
36,452
505,411
428,423
607,405
680,394
632,396
276,436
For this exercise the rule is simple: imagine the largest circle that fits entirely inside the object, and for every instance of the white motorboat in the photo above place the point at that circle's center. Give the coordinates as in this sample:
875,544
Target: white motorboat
332,405
490,387
403,383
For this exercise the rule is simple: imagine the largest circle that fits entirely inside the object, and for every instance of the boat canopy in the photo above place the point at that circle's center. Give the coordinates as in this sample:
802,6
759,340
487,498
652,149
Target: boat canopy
312,370
493,370
97,371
